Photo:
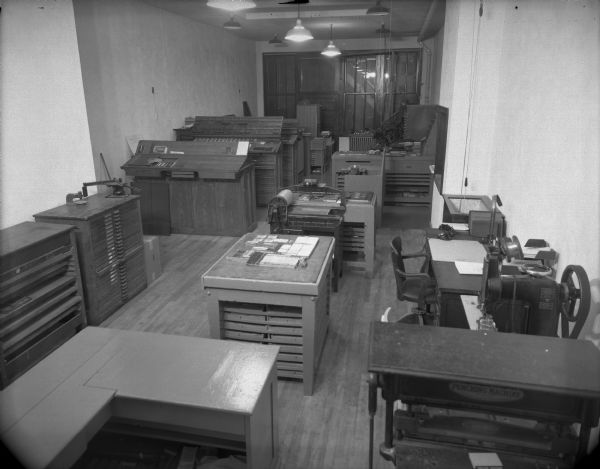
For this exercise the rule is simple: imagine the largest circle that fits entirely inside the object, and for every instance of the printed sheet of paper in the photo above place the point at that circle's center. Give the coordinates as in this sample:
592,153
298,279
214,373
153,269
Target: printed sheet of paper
472,312
469,268
456,250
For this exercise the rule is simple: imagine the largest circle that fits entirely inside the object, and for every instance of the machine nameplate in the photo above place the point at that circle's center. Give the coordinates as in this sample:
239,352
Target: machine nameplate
546,299
482,392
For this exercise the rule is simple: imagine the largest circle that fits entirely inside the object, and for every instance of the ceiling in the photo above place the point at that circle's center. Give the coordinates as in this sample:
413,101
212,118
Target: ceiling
349,18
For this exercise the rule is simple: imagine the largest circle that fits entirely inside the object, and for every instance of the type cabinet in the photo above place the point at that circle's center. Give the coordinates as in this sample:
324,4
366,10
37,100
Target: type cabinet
287,307
358,231
109,238
41,298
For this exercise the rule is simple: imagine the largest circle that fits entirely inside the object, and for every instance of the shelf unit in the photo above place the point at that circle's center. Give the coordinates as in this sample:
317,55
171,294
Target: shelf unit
109,238
321,149
358,233
41,297
309,118
408,179
292,159
360,171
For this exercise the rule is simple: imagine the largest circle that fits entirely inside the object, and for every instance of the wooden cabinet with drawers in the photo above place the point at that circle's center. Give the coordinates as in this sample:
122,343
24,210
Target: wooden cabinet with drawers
41,298
407,180
111,249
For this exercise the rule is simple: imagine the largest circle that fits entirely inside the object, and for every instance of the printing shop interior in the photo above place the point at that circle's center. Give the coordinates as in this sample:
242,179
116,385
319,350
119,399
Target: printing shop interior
300,234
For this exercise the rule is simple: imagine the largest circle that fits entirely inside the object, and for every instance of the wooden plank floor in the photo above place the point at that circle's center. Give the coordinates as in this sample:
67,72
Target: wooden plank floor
329,429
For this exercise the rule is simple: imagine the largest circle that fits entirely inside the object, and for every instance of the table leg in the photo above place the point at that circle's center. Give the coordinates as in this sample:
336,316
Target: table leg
309,312
214,316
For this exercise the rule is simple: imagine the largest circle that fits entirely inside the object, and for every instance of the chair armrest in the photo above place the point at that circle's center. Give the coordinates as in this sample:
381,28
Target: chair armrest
415,254
420,275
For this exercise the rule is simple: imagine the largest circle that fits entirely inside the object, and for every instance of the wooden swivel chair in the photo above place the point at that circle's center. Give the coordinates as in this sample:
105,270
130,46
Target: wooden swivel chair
416,287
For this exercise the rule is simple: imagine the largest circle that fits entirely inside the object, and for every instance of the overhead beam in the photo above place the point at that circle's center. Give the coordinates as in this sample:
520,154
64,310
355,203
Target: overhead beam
272,15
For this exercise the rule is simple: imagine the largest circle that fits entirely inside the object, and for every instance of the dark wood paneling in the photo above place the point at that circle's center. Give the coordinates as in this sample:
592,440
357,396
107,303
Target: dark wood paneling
154,206
214,207
317,75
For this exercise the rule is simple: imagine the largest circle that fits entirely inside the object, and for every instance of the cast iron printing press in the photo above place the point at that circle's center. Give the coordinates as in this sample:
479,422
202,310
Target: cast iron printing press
310,208
530,398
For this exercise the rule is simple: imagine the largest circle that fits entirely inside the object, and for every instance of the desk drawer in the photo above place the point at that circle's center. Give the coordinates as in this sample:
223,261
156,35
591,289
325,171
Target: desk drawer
407,166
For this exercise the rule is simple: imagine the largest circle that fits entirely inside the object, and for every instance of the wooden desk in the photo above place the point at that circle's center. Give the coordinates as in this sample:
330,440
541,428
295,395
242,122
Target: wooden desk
450,283
198,388
529,377
274,305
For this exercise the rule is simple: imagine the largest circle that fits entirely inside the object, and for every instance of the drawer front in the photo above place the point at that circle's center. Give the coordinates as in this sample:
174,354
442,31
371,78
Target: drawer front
41,303
266,161
116,284
27,314
114,233
267,324
408,166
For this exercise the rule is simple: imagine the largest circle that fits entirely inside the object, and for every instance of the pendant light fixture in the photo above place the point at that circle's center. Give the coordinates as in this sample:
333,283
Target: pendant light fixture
275,41
231,5
232,24
331,50
378,9
298,33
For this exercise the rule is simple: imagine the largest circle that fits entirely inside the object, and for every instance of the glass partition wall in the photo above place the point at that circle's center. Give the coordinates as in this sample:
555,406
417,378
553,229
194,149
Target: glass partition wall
356,91
375,86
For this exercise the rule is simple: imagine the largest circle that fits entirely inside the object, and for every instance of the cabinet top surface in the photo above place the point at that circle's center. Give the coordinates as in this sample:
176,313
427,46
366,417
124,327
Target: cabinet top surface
23,235
95,205
160,368
230,272
68,393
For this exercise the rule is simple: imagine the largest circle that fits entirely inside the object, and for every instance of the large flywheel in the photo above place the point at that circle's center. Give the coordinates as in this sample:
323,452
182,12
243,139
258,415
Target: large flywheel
575,300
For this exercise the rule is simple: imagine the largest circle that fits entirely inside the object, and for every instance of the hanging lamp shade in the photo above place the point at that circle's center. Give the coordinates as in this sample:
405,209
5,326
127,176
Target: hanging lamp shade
231,5
299,33
383,30
331,50
232,24
275,40
378,9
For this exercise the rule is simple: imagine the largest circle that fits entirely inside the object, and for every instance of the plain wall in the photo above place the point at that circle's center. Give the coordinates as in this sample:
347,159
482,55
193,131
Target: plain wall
146,69
45,149
522,87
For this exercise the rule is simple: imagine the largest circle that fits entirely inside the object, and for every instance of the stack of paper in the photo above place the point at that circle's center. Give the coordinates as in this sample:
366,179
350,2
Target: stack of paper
279,260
